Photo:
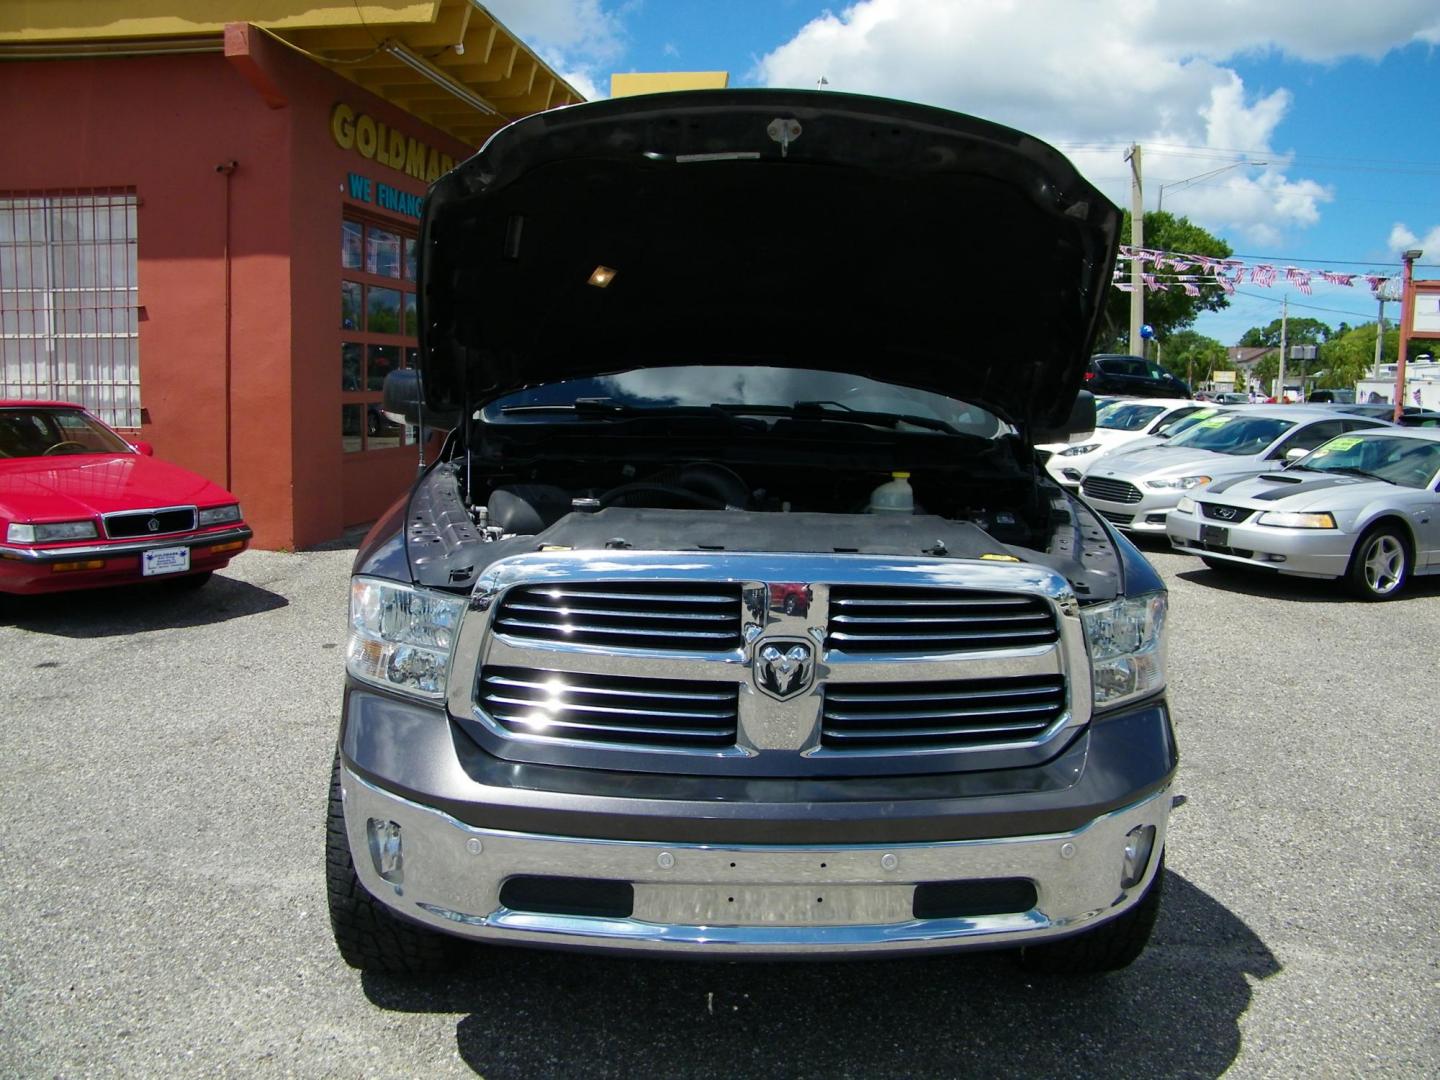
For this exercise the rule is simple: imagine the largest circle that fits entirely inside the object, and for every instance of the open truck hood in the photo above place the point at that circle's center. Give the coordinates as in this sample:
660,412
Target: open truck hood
772,227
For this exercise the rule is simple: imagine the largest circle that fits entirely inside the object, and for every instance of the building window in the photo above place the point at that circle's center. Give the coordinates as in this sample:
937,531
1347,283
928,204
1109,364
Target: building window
377,329
69,300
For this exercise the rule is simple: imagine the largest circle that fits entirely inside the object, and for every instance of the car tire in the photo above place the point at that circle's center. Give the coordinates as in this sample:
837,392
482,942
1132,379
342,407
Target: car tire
1112,945
1380,564
368,934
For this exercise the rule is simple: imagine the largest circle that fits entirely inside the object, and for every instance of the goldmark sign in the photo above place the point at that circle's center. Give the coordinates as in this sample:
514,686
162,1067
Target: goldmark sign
373,141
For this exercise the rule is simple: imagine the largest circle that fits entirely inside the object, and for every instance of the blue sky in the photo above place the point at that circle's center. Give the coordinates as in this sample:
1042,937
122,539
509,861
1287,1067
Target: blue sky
1338,99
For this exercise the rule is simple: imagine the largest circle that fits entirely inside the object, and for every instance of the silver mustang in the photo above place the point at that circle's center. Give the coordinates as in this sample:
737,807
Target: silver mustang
1363,507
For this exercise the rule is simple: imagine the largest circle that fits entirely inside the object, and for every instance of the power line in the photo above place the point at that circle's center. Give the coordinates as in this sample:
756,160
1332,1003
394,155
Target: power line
1296,303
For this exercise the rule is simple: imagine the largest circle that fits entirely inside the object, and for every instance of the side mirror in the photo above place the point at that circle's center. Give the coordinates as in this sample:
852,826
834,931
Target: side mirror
144,448
403,396
1294,455
1080,422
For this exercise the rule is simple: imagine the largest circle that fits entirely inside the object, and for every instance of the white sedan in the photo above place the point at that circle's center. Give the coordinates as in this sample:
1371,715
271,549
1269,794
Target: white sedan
1117,423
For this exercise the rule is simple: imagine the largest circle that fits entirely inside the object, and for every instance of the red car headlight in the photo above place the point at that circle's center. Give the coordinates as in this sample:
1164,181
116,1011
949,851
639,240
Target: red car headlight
52,530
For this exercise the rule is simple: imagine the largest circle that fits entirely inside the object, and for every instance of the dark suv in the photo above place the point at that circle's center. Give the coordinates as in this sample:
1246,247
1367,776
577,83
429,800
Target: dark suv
1132,376
736,618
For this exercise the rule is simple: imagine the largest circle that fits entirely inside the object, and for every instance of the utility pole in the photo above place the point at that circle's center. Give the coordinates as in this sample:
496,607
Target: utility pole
1379,331
1137,240
1284,326
1407,316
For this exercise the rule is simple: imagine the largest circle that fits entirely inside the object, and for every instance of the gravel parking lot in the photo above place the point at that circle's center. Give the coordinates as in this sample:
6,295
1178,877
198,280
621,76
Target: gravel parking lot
161,825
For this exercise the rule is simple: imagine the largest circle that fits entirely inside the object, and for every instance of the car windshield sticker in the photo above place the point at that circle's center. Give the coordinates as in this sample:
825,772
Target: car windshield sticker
1334,446
1215,421
1201,414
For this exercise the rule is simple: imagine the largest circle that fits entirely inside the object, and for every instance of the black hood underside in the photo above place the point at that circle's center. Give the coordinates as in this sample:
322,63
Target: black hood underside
778,228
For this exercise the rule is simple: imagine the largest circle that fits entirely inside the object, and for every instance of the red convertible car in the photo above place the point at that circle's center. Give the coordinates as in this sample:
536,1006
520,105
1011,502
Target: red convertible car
81,507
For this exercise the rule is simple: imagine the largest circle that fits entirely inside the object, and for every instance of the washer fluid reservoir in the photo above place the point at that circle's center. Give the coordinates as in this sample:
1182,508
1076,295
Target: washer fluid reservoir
895,496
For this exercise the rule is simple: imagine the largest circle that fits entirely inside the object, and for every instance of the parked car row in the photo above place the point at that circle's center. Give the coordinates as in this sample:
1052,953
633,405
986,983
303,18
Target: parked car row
1327,491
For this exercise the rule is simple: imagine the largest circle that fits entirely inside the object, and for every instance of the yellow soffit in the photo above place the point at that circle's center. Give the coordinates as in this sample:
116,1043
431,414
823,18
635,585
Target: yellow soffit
450,63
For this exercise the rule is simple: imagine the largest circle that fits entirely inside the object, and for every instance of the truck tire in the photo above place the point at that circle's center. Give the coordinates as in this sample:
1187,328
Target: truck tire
1112,945
369,935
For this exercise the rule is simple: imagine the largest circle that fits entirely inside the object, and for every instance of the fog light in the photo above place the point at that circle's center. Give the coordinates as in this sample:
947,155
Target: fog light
1275,558
384,837
1138,843
1156,519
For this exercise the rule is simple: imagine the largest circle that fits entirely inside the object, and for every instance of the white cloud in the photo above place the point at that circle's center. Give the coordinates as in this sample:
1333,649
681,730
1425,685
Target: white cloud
580,39
1093,77
1402,238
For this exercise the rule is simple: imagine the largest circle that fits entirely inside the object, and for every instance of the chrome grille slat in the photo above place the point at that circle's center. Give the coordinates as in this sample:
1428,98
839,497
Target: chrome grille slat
576,706
915,618
997,601
570,630
941,714
683,616
616,729
1012,709
936,732
611,710
637,596
611,613
676,695
932,619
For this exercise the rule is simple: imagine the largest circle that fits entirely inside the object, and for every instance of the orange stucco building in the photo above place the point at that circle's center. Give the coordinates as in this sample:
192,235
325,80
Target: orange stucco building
208,226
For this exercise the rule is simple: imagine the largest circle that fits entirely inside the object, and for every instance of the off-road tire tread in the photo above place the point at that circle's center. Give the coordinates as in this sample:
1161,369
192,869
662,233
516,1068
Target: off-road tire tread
1110,946
368,934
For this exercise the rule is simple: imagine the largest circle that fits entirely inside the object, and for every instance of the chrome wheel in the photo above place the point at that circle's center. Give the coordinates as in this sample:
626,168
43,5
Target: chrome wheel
1380,565
1384,564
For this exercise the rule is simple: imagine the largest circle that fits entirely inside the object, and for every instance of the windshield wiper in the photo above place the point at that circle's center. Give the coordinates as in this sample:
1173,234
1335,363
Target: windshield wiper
1351,470
843,414
609,407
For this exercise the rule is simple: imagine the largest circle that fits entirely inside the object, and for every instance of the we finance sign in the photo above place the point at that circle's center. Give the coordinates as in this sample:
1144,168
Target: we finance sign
363,189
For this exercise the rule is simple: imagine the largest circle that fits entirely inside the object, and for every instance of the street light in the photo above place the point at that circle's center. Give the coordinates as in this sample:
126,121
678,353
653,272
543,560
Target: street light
1407,315
1160,200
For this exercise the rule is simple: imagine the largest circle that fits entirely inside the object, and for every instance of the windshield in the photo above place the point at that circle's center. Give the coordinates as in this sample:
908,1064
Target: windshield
40,432
744,390
1407,462
1127,415
1185,423
1233,433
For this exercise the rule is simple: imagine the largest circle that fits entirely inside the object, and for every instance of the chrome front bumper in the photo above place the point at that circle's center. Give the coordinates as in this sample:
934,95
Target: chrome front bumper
740,900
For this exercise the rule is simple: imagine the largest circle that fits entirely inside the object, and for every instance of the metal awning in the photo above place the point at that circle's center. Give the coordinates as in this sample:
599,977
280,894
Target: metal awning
449,63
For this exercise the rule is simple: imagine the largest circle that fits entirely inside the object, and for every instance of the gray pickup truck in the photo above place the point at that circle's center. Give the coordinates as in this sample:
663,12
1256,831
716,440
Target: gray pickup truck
737,617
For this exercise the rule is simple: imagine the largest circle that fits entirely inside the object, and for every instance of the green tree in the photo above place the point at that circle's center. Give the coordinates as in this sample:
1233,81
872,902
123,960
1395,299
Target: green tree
1297,332
1171,311
1193,357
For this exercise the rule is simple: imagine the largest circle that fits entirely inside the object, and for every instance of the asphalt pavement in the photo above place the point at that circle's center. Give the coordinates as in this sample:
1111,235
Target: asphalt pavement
166,756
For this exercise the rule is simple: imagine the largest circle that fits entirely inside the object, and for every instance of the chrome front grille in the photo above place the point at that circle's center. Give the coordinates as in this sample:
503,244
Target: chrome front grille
674,616
610,710
896,665
1120,491
940,715
882,619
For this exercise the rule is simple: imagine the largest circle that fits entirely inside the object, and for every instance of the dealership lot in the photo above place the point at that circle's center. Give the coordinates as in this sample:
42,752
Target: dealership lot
161,823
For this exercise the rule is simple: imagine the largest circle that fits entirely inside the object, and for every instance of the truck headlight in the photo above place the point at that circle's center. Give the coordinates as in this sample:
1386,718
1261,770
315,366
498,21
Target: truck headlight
55,530
1083,448
1127,647
1287,519
401,638
1180,483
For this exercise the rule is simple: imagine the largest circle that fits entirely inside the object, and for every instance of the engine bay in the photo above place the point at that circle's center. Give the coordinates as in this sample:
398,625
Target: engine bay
467,513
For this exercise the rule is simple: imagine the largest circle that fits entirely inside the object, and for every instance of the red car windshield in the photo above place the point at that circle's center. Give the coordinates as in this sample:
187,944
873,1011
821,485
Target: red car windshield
40,432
